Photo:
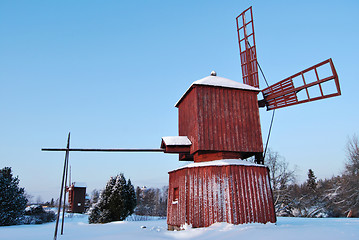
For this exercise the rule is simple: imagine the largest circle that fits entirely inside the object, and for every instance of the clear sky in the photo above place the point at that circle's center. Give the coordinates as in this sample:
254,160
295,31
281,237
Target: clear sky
110,73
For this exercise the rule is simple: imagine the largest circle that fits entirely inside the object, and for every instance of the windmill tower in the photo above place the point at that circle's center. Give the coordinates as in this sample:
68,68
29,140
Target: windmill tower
219,126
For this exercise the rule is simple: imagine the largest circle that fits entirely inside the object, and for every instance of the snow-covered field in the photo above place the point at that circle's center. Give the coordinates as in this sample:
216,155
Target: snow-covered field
77,227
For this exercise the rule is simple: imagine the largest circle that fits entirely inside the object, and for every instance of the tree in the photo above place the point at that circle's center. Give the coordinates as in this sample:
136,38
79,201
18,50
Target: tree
117,201
151,201
350,180
281,178
131,199
311,181
95,195
352,149
12,198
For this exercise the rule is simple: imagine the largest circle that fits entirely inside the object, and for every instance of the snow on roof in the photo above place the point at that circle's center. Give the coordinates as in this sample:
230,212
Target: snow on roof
177,140
219,82
223,162
79,184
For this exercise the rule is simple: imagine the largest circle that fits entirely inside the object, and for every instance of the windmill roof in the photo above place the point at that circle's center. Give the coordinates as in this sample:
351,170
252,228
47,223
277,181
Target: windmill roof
80,184
219,82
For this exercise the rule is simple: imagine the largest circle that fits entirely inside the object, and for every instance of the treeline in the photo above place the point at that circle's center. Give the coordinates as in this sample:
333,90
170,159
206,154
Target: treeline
148,201
151,201
334,197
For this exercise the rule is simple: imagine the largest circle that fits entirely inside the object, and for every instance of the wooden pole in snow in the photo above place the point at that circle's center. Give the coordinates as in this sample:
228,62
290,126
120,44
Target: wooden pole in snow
65,189
62,186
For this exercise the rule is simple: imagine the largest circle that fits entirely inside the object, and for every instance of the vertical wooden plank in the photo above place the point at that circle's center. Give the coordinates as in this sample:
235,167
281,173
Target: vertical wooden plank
211,190
250,190
239,195
258,208
260,193
270,198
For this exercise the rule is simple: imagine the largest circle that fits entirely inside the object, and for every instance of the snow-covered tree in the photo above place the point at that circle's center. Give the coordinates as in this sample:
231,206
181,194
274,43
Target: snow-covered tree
350,179
131,199
151,201
12,198
116,202
281,177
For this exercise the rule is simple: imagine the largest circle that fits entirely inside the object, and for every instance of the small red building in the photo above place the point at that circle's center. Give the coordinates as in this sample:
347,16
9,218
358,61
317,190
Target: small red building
219,126
77,195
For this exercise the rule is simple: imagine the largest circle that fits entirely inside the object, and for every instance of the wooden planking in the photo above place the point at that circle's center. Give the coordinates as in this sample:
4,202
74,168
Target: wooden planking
235,194
221,119
188,118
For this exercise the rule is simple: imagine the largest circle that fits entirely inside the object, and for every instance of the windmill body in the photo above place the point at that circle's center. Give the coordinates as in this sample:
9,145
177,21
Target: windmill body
220,118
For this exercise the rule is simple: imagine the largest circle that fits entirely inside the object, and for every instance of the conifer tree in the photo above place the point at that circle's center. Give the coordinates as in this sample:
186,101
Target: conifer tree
12,198
312,181
117,201
131,200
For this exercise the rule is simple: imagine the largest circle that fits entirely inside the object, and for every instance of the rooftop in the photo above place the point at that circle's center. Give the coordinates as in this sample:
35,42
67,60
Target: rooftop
216,81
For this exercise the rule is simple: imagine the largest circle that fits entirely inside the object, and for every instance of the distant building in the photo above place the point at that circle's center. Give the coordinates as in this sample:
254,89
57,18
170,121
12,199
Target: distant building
77,197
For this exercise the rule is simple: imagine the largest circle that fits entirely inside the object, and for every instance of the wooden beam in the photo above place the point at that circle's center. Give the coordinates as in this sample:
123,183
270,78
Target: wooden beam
103,149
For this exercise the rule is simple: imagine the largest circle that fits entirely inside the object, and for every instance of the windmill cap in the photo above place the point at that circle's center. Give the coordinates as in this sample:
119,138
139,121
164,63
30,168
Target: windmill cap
216,81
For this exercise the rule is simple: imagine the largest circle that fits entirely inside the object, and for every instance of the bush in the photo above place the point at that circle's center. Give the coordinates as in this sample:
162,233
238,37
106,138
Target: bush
35,214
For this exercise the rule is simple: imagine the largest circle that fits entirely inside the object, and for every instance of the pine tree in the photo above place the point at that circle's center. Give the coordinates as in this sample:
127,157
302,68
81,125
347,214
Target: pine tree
131,200
312,181
117,201
12,198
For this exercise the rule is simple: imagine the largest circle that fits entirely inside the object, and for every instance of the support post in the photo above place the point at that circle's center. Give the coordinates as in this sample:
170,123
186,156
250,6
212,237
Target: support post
62,186
65,189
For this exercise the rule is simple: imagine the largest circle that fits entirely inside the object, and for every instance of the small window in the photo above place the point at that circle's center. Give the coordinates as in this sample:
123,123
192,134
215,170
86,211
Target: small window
175,194
79,204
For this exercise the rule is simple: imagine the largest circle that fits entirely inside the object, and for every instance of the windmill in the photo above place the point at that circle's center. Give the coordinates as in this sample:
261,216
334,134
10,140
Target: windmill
219,127
218,186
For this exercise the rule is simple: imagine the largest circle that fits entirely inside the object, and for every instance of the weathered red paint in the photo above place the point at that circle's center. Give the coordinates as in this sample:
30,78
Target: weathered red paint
247,47
234,194
219,119
284,93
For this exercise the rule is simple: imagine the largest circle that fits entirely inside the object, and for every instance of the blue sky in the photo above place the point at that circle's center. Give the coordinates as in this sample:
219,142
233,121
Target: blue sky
110,72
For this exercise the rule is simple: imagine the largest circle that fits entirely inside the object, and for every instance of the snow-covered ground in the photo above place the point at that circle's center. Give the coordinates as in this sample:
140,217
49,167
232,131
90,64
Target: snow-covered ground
76,227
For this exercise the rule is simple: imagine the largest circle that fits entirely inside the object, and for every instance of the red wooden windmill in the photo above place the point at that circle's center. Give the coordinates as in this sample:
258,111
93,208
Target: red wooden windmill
219,125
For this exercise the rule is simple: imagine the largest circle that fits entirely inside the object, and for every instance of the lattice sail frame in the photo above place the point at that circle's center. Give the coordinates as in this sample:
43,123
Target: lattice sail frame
285,93
247,47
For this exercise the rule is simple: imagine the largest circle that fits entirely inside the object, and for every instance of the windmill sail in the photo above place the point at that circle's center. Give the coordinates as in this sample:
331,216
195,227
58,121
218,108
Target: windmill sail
299,87
247,48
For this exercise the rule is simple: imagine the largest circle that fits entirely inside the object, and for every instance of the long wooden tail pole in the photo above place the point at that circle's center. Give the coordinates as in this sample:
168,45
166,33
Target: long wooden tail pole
104,149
